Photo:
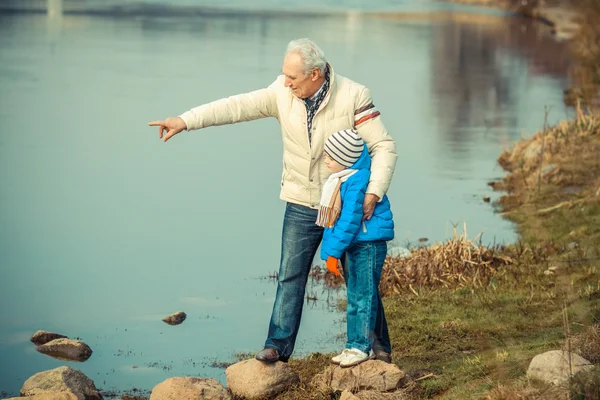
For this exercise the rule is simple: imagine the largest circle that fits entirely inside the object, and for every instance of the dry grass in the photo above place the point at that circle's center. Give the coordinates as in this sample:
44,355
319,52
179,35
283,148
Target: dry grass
459,262
527,392
565,155
587,344
503,392
586,52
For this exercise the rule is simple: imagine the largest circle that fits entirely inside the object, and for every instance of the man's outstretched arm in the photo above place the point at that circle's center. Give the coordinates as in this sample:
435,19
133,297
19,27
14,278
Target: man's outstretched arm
243,107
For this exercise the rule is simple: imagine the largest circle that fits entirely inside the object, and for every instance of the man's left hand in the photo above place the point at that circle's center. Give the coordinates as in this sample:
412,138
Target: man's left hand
369,205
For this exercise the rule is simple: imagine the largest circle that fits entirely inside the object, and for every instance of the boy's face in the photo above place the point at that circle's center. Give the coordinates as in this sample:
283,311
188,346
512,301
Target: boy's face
332,165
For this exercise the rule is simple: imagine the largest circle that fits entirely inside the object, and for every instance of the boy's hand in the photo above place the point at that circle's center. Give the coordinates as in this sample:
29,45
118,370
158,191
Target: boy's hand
333,265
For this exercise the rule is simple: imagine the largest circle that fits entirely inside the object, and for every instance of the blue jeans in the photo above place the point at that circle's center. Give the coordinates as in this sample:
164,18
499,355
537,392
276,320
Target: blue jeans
366,324
300,240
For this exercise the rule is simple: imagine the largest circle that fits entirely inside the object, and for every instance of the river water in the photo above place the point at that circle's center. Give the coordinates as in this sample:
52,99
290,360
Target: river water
104,229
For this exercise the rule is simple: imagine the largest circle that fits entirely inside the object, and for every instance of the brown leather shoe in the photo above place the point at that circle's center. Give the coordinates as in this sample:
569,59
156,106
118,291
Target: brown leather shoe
382,355
268,355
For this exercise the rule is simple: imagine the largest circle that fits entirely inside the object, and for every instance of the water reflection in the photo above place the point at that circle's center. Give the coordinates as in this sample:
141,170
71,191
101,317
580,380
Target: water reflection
479,84
55,8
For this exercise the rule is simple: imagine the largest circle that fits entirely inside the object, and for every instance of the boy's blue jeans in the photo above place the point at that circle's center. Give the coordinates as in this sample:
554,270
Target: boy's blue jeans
299,242
362,272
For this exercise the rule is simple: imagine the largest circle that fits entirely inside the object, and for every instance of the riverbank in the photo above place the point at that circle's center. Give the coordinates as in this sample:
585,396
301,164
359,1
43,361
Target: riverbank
476,341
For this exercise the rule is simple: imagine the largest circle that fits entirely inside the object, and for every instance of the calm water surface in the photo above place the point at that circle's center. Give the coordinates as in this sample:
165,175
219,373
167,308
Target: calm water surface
104,229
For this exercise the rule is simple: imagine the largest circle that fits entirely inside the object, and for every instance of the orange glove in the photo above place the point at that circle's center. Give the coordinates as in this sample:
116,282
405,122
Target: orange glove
333,265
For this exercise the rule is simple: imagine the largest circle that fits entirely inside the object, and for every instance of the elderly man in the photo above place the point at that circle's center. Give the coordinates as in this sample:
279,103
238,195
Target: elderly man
310,102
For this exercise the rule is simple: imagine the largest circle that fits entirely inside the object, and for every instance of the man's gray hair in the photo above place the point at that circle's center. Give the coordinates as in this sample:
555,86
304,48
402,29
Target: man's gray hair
311,55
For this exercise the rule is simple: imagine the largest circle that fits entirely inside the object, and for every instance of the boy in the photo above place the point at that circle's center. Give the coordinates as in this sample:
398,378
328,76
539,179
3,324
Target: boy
363,242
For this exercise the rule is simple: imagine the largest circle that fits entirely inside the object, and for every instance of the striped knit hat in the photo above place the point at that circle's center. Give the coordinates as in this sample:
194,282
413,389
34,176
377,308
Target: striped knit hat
345,147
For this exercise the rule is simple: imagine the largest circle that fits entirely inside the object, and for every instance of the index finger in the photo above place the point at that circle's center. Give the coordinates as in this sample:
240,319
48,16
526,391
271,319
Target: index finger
156,123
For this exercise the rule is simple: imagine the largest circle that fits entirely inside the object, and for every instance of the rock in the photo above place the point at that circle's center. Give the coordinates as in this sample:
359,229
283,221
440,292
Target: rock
252,379
63,380
43,337
553,366
48,396
347,395
532,152
176,318
547,169
374,395
487,198
189,388
66,349
370,375
398,252
556,270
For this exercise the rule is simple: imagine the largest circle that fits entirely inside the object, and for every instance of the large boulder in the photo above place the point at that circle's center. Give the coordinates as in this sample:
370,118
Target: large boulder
372,375
42,337
48,396
61,380
252,379
66,349
557,366
189,388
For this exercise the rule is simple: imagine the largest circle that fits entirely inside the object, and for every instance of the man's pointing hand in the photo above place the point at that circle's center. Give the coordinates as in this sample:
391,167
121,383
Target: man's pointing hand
172,126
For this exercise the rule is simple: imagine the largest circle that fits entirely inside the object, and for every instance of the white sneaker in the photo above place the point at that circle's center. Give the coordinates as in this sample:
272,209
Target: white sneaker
354,357
337,359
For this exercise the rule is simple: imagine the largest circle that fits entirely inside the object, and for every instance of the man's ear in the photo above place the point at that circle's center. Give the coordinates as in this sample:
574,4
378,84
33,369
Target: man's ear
315,74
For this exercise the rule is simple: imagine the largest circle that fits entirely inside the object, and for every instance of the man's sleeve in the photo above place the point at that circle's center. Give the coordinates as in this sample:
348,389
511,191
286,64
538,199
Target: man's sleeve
382,148
242,107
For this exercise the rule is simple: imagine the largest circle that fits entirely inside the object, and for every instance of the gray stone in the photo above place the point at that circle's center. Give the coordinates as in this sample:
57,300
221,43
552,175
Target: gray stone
398,252
66,349
252,379
189,388
63,380
43,337
554,367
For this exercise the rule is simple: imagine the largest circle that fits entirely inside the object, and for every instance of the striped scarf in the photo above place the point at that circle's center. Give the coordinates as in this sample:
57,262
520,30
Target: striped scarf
311,110
331,199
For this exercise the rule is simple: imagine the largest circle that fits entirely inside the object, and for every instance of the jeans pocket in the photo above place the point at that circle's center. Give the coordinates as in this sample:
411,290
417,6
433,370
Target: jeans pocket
362,245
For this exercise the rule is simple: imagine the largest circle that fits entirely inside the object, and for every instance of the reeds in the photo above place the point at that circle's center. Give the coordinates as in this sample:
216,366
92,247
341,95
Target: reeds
458,262
568,157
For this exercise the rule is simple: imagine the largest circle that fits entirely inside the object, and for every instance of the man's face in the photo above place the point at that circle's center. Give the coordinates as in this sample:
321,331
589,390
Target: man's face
303,86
